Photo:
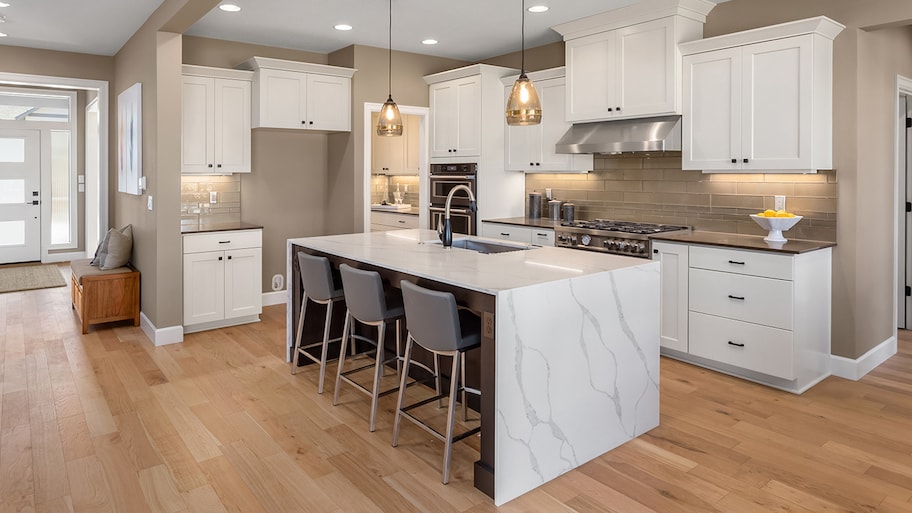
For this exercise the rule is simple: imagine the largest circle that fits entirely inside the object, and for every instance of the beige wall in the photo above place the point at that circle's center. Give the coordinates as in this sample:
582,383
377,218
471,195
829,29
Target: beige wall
539,58
865,66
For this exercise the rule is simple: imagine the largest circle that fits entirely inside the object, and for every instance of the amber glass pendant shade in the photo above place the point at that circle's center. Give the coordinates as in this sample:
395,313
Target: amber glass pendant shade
390,122
523,106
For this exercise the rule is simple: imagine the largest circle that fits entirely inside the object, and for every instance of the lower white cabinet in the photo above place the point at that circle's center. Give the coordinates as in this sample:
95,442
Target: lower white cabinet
516,233
760,315
222,279
384,221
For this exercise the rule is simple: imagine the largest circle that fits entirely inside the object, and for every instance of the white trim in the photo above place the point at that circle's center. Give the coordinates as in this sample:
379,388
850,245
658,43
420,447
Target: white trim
424,191
903,88
62,257
160,336
279,297
857,368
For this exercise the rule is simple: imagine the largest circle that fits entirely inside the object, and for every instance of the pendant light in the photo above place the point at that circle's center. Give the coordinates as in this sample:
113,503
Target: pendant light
523,105
390,123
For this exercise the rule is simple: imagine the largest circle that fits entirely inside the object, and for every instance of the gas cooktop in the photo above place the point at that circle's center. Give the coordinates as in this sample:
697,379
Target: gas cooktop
623,226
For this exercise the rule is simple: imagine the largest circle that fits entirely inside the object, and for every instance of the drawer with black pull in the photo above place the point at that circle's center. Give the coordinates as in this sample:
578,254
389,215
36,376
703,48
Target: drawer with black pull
742,344
741,297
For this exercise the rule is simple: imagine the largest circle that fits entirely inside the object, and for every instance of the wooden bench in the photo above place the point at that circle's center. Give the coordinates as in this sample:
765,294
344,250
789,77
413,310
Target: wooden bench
104,296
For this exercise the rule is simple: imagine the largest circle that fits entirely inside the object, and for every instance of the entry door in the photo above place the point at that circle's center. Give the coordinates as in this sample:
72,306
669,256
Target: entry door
906,322
20,210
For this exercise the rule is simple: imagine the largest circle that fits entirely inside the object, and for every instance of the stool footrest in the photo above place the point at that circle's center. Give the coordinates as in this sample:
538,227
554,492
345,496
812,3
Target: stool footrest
437,434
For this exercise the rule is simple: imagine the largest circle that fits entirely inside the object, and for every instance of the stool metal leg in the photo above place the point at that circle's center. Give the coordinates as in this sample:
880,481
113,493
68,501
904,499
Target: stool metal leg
451,414
465,405
378,369
326,326
437,379
402,386
300,331
346,329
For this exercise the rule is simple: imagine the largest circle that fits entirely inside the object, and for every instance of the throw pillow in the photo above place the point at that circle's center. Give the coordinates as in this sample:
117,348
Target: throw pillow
120,247
100,250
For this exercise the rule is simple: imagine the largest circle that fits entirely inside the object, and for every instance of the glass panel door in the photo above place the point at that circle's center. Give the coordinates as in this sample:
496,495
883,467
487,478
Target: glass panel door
20,210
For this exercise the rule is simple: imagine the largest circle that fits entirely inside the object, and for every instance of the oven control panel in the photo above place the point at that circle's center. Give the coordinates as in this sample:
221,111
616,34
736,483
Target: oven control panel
606,244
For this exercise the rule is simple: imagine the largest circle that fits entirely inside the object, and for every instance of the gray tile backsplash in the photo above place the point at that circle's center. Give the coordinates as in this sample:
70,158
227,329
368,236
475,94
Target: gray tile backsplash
196,207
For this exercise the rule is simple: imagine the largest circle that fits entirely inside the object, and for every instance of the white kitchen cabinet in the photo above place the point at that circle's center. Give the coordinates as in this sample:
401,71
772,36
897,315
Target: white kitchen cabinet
531,148
625,63
673,261
412,133
396,155
222,279
456,117
759,315
517,233
761,100
300,95
215,120
384,221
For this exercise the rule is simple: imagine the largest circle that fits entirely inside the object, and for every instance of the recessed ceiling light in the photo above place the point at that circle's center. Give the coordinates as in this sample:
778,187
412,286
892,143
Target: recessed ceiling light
229,7
342,26
429,42
4,4
538,8
2,34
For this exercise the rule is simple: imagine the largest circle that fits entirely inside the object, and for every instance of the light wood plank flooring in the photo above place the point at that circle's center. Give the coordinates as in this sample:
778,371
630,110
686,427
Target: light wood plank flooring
105,422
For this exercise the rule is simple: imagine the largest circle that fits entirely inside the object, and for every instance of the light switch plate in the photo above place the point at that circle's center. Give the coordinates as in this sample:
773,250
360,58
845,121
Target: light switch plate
213,197
778,202
149,202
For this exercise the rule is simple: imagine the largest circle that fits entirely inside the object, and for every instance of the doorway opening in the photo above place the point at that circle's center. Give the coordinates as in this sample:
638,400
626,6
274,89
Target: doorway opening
903,223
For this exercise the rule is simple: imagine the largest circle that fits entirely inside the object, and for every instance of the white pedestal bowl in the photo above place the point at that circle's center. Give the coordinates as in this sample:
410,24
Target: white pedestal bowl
776,225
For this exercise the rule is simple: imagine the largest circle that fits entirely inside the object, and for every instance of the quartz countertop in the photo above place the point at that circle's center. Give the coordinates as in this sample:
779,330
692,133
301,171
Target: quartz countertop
413,211
413,252
734,240
538,222
222,227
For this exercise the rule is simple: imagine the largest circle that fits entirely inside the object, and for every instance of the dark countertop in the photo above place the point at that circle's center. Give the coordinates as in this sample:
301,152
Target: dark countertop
409,211
195,228
538,222
754,242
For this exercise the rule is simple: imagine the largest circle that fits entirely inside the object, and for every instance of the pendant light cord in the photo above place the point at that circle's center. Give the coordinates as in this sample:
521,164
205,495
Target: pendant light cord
522,58
390,83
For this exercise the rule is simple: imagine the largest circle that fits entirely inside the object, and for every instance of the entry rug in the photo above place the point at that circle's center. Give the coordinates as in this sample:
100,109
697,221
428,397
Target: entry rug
29,277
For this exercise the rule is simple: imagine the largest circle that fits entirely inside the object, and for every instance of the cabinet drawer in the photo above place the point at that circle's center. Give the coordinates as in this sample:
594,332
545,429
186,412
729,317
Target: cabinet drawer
391,220
507,232
749,346
754,263
216,241
541,236
746,298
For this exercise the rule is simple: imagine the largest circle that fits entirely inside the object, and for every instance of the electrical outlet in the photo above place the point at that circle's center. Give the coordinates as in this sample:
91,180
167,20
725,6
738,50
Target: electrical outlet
779,203
149,202
213,197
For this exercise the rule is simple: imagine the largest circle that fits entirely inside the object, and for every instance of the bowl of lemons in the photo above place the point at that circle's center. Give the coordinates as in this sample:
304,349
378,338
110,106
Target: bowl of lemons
776,221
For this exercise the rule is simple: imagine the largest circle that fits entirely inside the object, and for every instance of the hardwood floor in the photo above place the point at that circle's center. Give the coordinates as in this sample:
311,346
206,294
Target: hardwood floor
105,422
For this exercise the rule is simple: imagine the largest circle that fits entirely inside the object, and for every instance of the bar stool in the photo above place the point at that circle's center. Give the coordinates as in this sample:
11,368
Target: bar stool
437,325
317,280
367,304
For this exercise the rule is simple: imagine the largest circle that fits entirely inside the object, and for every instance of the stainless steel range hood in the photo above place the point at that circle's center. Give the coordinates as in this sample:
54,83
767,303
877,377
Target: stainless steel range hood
643,135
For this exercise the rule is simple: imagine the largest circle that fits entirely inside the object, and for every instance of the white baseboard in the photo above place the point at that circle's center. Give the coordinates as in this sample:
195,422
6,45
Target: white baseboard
53,258
279,297
160,336
856,369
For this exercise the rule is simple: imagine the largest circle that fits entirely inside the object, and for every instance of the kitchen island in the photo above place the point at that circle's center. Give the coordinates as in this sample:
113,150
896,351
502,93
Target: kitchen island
570,344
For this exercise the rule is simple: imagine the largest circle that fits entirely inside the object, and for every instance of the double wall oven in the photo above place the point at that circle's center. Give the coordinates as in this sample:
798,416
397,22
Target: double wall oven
443,178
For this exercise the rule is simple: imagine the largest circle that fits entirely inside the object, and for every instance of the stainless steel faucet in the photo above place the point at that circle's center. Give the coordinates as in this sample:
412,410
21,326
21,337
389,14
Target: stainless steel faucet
445,230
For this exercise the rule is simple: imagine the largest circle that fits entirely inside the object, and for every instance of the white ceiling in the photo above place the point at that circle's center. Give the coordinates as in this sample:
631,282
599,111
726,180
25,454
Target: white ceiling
468,30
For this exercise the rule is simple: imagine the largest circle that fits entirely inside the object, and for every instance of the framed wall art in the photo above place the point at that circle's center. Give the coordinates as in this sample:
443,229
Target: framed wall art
129,139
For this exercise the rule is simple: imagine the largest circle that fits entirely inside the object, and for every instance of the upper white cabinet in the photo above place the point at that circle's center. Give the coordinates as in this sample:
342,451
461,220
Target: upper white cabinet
456,117
625,63
300,95
215,120
531,148
396,155
760,100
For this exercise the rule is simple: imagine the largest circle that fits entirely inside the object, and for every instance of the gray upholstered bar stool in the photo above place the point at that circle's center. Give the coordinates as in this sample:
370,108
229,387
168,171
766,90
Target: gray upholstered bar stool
319,287
367,304
436,324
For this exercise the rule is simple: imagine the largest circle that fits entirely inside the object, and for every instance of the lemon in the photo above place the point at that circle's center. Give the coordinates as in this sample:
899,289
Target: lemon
782,214
769,213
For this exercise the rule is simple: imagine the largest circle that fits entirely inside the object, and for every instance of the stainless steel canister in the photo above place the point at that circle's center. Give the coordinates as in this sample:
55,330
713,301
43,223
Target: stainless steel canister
569,211
554,209
535,205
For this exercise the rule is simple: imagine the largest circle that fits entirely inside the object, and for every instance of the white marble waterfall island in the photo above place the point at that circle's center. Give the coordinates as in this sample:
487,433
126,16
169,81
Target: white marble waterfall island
570,349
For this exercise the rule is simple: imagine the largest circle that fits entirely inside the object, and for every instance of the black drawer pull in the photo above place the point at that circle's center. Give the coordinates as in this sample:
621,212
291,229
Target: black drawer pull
542,234
505,234
403,222
735,344
741,298
736,263
224,242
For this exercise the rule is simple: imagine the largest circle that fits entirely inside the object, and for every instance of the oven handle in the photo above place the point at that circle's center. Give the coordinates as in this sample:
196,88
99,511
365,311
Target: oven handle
452,210
455,177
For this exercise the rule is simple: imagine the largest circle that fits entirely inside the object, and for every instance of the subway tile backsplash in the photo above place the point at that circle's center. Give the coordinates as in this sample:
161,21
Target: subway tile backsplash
196,208
657,190
383,186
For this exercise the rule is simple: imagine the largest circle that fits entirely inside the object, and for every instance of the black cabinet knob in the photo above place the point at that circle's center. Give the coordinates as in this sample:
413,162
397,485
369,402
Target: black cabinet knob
210,165
746,161
610,109
538,163
310,122
220,259
618,109
219,165
229,257
734,161
303,122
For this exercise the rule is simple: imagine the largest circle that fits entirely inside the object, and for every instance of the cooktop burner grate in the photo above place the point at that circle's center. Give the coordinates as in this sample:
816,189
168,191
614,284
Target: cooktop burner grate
624,226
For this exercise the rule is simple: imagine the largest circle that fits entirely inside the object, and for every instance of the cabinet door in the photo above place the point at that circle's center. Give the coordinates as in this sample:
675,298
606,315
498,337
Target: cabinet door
232,126
541,236
197,120
281,98
521,142
328,103
243,282
591,77
380,148
553,125
673,301
646,69
468,116
444,106
776,104
712,110
204,287
412,144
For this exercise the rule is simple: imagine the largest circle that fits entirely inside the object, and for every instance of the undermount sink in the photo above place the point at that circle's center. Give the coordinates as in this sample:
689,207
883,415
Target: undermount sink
485,246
